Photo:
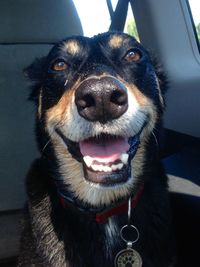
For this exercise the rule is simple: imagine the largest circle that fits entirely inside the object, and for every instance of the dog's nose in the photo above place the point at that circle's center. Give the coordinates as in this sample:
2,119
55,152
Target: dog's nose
101,99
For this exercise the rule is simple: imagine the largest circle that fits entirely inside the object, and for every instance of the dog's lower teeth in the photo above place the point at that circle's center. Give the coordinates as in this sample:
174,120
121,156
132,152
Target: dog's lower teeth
103,168
89,161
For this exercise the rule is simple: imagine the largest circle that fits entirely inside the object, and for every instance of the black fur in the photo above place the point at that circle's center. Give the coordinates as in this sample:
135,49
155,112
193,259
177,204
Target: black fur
59,237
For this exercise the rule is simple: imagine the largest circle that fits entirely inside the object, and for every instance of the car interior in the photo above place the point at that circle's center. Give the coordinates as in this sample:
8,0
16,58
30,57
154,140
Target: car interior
28,29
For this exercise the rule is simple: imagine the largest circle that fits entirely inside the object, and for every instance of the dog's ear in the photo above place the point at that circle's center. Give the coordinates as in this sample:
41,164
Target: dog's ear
35,72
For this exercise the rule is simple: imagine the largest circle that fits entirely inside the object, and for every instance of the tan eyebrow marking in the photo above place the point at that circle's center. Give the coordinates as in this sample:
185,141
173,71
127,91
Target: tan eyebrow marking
72,47
115,41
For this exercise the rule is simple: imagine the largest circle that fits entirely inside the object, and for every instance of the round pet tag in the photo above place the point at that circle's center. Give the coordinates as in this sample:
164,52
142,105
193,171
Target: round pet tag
128,258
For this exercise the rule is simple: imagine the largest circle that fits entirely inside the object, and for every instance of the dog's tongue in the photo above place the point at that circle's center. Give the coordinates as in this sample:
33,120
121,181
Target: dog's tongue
104,150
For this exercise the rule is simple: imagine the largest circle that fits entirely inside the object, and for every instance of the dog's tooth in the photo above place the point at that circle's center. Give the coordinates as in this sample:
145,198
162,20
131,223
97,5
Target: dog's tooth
114,167
88,160
107,169
100,167
124,158
95,167
117,166
120,166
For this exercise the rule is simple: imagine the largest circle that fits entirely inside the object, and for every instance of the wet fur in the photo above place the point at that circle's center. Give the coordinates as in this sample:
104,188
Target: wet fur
58,237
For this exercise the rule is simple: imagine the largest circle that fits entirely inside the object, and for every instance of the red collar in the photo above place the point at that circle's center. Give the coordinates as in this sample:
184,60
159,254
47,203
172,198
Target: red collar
103,216
122,208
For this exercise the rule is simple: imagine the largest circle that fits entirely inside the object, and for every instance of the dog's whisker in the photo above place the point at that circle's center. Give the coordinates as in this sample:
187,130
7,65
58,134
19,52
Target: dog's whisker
50,135
46,145
155,138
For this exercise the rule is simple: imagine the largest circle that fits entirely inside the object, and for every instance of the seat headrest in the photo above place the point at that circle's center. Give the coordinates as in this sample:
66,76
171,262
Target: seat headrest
38,21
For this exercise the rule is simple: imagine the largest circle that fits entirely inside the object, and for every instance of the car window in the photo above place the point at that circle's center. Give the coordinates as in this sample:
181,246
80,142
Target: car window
95,17
194,6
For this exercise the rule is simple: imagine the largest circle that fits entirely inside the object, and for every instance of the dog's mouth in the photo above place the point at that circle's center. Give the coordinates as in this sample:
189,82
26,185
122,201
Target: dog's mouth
106,159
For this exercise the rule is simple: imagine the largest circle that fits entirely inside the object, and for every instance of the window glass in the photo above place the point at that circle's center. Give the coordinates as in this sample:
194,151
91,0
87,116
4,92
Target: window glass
130,26
195,12
95,17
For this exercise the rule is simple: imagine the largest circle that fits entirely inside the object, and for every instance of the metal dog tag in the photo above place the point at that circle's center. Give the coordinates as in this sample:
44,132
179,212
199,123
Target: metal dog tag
128,258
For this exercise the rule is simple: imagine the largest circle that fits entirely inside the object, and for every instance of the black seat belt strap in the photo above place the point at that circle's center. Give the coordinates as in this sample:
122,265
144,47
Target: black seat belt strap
119,16
110,8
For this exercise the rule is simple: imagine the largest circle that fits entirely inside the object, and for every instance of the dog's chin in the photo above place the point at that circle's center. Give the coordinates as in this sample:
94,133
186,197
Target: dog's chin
106,159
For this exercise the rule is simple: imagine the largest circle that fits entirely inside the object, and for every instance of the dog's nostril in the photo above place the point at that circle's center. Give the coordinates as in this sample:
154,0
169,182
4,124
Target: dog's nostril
119,97
86,101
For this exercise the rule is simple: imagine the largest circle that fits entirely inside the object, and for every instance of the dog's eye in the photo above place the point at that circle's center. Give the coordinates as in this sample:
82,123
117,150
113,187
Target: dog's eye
59,66
133,55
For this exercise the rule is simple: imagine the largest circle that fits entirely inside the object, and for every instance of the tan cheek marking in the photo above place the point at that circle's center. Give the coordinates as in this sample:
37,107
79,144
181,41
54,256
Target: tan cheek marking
72,47
142,99
61,110
116,41
146,104
58,112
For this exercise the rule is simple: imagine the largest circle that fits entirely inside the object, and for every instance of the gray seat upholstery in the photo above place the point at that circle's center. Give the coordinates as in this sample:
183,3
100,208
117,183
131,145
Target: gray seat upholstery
37,21
28,28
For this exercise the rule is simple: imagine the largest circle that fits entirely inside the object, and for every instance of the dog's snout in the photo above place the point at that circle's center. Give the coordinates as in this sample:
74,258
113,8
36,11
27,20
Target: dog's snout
101,99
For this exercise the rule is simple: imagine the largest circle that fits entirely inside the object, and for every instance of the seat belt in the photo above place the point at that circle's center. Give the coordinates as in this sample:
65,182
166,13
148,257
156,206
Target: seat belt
118,17
110,9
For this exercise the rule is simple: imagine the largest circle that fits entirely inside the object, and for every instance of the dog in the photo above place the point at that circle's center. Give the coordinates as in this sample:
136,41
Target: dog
98,194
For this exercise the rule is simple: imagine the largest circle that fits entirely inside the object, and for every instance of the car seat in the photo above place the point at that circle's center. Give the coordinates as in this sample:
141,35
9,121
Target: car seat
28,28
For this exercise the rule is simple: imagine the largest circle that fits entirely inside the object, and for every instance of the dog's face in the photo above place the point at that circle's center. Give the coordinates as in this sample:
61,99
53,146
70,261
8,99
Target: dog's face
96,97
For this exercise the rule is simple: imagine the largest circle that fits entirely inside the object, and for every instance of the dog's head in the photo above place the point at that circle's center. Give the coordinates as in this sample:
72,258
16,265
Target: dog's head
96,98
